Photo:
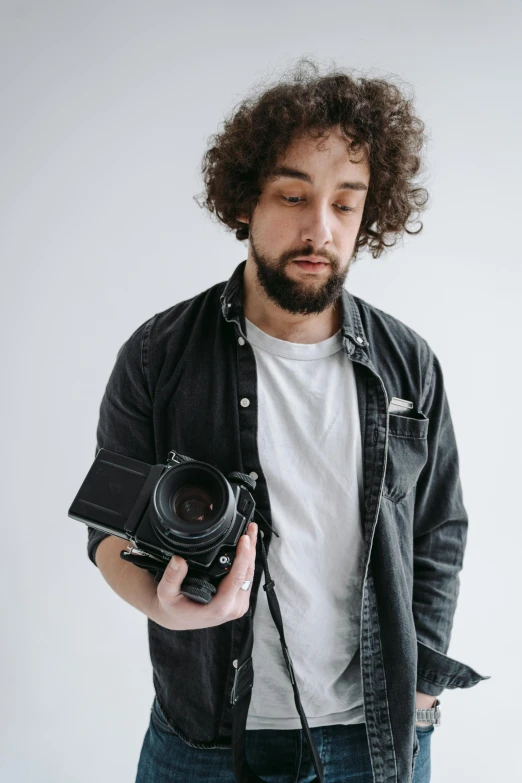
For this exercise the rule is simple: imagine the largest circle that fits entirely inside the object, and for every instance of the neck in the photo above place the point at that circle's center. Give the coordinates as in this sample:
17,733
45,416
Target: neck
272,319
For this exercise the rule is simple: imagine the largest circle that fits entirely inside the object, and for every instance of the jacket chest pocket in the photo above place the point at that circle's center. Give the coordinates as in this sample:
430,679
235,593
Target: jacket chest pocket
407,453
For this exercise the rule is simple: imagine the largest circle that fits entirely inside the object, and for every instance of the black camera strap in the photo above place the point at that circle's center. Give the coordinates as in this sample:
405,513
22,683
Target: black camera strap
242,691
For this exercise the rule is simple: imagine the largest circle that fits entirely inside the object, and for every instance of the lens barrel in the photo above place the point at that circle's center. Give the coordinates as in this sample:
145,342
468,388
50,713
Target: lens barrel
193,506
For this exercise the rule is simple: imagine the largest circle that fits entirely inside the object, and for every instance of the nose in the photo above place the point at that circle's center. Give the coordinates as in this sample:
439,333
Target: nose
316,228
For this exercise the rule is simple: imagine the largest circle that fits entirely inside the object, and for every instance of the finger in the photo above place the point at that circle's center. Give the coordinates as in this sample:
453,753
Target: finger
252,532
169,588
231,583
252,562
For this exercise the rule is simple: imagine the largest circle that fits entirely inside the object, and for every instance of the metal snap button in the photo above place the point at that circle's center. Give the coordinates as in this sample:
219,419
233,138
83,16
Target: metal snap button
240,341
245,402
254,475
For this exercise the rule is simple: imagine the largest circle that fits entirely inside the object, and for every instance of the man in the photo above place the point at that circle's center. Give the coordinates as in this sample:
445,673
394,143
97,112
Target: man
337,410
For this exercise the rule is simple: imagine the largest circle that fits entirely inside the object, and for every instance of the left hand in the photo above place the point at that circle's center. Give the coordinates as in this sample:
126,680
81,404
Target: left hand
424,702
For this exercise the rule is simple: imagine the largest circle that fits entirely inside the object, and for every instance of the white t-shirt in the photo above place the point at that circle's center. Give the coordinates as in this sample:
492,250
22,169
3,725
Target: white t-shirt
309,442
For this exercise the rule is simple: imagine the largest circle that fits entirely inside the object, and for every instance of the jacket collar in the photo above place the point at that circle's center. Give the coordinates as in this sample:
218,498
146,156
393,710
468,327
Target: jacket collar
232,310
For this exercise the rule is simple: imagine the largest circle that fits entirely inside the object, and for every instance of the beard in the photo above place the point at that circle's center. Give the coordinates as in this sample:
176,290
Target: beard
295,296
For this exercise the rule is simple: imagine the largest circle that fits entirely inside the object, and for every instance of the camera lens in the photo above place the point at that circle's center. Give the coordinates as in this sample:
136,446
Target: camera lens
192,504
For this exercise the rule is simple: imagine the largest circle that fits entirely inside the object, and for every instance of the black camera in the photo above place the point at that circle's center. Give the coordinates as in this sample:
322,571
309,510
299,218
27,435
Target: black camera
184,507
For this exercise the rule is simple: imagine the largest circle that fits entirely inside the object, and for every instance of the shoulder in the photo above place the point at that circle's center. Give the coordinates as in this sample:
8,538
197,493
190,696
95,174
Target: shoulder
170,331
178,316
383,326
184,320
394,343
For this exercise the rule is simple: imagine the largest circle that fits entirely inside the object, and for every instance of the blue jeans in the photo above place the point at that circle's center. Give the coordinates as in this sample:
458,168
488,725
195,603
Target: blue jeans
276,756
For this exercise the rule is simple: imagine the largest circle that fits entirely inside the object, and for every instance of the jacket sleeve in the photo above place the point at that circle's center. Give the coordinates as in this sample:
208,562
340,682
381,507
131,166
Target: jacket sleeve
125,423
440,533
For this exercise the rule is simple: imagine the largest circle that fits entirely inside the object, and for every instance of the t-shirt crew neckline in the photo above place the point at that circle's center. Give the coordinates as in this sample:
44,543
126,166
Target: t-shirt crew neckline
288,350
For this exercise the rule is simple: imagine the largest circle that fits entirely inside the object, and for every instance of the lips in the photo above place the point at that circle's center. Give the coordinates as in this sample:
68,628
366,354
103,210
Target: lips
311,266
312,260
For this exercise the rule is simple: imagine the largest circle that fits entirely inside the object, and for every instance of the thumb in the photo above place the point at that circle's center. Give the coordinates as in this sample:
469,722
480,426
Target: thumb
170,585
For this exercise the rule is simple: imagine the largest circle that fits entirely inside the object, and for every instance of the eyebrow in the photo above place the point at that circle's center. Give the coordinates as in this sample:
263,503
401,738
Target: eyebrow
288,173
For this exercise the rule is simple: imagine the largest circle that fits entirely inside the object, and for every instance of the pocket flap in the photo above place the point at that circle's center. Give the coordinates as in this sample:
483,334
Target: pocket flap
413,425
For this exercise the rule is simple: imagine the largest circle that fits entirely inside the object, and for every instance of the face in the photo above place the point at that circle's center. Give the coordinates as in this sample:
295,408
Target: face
304,227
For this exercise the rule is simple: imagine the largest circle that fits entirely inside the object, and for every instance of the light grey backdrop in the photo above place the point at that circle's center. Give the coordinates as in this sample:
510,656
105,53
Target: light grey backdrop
106,110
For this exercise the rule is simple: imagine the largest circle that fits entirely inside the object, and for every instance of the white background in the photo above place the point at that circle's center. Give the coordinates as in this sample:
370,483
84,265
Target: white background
106,111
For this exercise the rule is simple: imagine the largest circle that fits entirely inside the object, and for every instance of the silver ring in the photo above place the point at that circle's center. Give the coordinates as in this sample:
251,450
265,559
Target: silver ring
246,585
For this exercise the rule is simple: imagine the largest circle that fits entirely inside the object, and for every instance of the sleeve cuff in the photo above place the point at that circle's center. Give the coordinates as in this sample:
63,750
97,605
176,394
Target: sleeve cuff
95,537
436,671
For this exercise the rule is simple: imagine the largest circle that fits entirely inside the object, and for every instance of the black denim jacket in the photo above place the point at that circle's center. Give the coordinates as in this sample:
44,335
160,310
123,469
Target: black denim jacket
177,384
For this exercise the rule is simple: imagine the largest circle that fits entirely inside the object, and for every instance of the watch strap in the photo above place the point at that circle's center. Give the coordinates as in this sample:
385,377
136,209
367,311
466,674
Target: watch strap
429,716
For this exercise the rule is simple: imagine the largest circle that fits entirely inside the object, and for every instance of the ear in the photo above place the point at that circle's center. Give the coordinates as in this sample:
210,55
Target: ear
243,219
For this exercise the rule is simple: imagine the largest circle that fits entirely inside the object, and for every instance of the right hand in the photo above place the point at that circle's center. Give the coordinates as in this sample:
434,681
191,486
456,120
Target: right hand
176,612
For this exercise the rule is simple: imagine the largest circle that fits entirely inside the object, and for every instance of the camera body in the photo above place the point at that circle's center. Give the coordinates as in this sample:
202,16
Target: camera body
183,507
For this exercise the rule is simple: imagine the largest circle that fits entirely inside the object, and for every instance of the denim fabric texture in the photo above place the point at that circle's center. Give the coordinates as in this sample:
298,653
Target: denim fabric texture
278,756
177,384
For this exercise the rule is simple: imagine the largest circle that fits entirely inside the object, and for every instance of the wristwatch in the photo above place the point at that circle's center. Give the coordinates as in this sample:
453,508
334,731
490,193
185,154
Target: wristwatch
430,716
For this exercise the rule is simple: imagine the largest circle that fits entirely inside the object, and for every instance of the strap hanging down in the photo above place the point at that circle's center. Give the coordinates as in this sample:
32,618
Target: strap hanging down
242,692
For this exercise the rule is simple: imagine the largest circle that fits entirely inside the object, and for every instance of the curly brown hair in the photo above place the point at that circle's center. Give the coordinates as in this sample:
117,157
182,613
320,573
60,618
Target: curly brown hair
373,114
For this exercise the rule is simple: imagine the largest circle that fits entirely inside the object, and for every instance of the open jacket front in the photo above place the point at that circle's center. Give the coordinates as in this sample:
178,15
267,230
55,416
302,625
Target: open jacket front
177,384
